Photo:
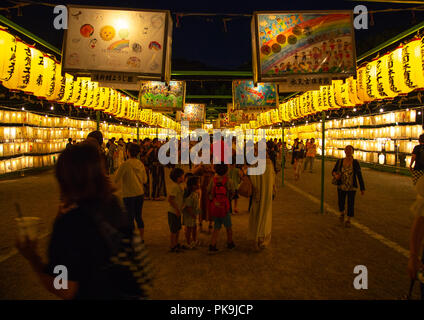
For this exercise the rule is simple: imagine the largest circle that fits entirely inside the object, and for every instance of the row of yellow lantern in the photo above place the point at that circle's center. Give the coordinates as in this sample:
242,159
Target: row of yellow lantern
25,68
396,73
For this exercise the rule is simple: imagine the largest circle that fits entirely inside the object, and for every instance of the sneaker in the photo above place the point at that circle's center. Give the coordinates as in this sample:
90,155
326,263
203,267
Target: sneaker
231,245
174,249
347,224
212,249
182,247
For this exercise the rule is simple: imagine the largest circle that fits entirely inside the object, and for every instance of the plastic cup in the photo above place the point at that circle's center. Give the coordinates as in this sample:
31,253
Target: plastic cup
28,228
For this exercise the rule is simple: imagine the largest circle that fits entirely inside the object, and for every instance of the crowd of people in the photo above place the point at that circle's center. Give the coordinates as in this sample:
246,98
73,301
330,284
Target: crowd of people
90,173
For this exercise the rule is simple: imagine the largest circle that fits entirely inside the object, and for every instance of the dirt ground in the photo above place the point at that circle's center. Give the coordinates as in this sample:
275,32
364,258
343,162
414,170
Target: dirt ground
311,255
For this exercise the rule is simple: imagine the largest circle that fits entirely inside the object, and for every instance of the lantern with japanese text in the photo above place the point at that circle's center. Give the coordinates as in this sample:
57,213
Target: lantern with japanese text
412,64
7,55
21,72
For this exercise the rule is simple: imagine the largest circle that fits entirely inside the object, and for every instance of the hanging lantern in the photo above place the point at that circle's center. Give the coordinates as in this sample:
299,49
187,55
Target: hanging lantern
7,55
396,73
60,85
69,88
93,95
21,71
48,79
346,96
361,82
383,84
36,71
325,92
371,80
332,99
353,94
84,82
76,92
412,64
317,101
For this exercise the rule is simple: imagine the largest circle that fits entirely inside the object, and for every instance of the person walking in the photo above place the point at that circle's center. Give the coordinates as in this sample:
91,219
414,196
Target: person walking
417,160
206,172
311,151
346,174
87,235
158,173
131,176
416,244
111,155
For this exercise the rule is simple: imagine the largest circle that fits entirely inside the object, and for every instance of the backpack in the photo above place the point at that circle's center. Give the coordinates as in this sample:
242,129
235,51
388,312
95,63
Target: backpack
219,205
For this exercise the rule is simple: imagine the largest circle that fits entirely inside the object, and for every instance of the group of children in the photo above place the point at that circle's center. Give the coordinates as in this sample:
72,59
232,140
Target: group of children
184,206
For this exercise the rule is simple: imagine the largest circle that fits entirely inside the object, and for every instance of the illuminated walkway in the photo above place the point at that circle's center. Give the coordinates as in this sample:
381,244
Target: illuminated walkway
311,256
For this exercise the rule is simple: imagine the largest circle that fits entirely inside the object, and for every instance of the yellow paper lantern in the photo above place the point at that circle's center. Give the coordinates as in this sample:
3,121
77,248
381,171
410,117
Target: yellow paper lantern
60,85
396,72
7,55
80,102
69,88
36,72
361,82
412,64
353,94
49,78
383,81
76,92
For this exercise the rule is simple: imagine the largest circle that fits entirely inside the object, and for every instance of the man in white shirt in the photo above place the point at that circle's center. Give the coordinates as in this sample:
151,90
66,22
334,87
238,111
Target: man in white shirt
132,176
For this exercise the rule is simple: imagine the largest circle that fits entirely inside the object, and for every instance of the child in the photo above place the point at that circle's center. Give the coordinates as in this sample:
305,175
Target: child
234,175
220,190
175,199
191,209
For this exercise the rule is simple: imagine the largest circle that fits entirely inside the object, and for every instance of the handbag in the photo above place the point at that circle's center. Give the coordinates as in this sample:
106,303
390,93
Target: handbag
245,189
335,181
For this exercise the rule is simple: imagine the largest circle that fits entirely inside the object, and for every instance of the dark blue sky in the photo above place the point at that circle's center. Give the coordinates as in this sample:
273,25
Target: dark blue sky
203,40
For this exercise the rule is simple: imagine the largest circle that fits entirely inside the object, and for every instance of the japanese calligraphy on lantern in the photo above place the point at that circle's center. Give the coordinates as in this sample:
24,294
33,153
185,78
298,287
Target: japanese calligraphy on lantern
125,40
288,43
247,95
161,96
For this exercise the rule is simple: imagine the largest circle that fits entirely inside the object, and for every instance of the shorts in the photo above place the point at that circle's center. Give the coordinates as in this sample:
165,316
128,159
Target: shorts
226,221
174,222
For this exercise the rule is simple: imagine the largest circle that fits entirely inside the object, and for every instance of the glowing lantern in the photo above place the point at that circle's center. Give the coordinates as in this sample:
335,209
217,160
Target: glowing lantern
80,101
317,101
361,82
36,71
7,55
20,77
396,73
325,98
371,81
48,78
60,85
353,95
69,88
412,64
332,98
382,77
76,92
